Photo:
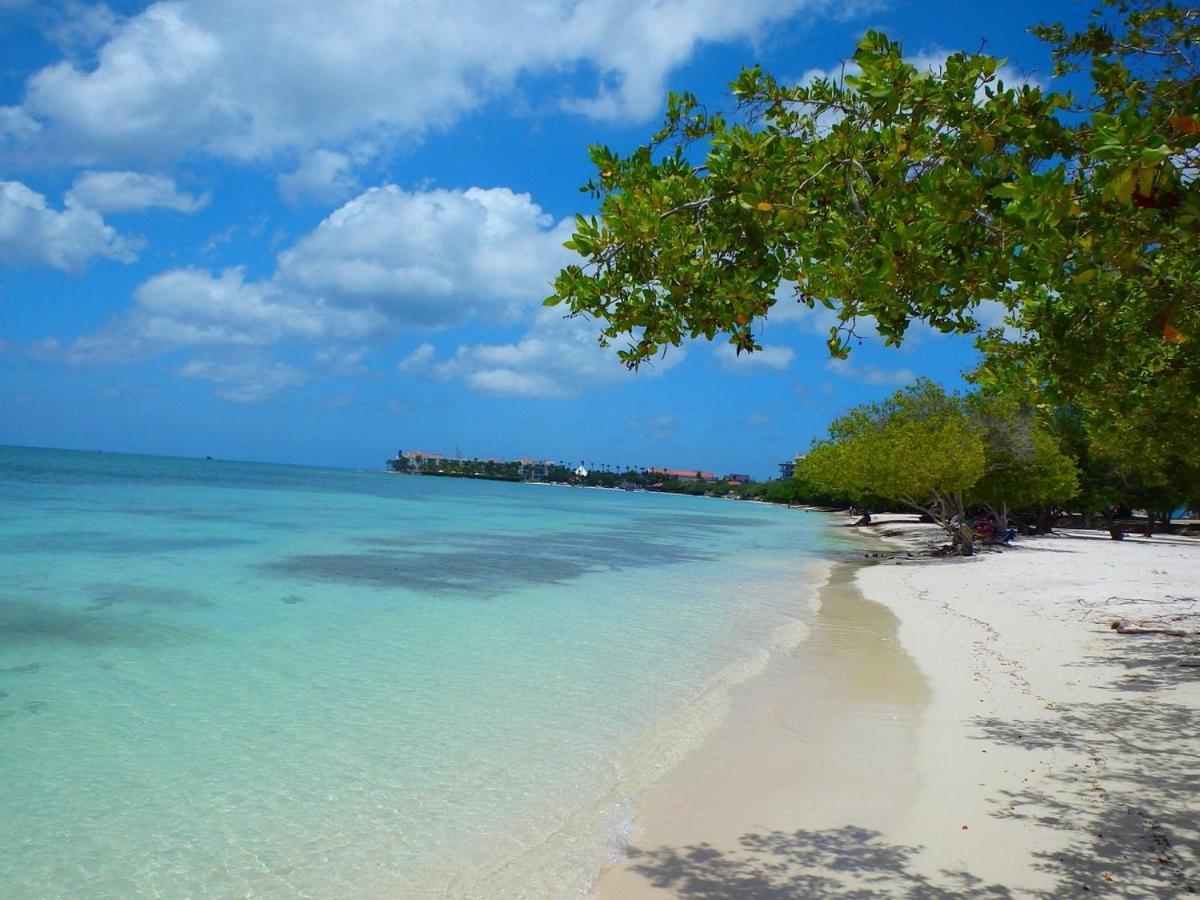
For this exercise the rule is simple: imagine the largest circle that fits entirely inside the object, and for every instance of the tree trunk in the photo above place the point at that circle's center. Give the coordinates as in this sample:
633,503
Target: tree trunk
999,516
964,540
1045,520
1149,529
1113,526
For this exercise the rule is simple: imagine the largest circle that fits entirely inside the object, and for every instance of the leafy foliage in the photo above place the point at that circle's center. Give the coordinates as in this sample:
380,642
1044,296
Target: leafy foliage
920,447
905,195
1025,468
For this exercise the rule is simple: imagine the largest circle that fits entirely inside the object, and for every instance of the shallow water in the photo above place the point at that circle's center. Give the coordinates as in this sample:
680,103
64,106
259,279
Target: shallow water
238,679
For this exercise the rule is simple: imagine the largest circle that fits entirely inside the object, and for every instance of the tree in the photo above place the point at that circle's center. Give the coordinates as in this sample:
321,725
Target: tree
919,447
1025,468
905,195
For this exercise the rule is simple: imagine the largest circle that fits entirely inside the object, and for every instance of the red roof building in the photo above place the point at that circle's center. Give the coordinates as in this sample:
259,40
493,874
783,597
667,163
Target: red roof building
682,474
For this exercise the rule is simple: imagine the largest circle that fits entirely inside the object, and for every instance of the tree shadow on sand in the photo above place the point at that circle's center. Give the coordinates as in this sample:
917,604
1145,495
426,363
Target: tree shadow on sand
847,862
1131,801
1117,798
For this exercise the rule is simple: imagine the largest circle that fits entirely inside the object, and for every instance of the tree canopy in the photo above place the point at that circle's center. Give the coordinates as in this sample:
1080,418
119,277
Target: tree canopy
943,455
920,447
905,195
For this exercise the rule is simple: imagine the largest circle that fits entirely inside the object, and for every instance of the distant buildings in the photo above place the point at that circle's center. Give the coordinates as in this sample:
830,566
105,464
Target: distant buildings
415,461
684,475
532,470
418,462
787,469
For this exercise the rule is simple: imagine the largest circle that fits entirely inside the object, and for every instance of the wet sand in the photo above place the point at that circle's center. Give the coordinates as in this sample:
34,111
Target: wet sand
825,736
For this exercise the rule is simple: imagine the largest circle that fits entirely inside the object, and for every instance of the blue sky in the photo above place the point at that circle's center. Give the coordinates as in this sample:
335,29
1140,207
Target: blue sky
299,231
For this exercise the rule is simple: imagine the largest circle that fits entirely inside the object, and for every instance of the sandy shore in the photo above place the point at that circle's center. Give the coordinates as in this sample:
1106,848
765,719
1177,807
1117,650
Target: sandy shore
961,728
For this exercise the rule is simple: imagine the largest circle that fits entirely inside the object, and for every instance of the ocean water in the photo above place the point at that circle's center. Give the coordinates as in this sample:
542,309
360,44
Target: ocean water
229,679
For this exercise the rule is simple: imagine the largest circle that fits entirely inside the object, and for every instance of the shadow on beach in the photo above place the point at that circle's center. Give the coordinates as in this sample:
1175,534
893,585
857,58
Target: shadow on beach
1126,794
1133,804
835,862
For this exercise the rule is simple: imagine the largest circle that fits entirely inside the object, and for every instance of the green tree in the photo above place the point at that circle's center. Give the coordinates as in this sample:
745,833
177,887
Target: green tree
920,447
905,195
1025,468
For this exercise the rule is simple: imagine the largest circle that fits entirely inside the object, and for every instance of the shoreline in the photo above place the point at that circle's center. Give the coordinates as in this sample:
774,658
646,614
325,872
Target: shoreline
1025,748
763,772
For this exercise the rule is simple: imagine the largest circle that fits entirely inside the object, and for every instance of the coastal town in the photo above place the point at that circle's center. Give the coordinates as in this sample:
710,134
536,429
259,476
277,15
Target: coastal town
585,474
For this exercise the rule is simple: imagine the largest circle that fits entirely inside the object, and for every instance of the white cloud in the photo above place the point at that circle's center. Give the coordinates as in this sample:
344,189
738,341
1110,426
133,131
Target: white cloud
16,125
248,80
420,361
75,26
190,306
246,380
341,361
556,358
769,358
430,258
659,427
323,176
932,60
387,261
118,192
872,375
32,233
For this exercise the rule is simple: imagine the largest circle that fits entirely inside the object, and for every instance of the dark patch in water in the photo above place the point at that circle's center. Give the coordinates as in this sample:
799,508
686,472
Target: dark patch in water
34,706
3,694
22,622
116,545
293,599
684,523
472,572
482,565
182,514
145,595
26,669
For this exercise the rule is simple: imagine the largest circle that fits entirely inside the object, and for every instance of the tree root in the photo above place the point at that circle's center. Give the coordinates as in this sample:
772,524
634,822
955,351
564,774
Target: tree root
1122,626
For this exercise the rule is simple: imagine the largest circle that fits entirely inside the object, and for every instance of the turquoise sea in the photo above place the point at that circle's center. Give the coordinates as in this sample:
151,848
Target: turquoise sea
233,679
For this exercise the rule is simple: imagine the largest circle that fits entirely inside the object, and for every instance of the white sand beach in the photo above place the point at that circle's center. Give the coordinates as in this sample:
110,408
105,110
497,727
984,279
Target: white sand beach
955,728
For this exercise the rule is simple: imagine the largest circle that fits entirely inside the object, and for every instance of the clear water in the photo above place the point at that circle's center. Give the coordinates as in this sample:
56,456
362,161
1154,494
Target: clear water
229,679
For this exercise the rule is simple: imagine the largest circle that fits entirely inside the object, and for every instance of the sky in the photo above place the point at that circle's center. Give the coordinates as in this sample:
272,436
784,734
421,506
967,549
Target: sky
308,232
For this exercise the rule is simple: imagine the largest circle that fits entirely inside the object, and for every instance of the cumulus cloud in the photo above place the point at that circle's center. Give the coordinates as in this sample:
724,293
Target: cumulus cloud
872,375
76,27
767,359
247,80
341,361
118,192
557,357
16,125
191,306
246,380
323,176
387,261
420,361
430,258
32,233
659,427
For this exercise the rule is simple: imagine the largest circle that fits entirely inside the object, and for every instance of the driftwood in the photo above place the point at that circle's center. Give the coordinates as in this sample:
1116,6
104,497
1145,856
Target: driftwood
1122,626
